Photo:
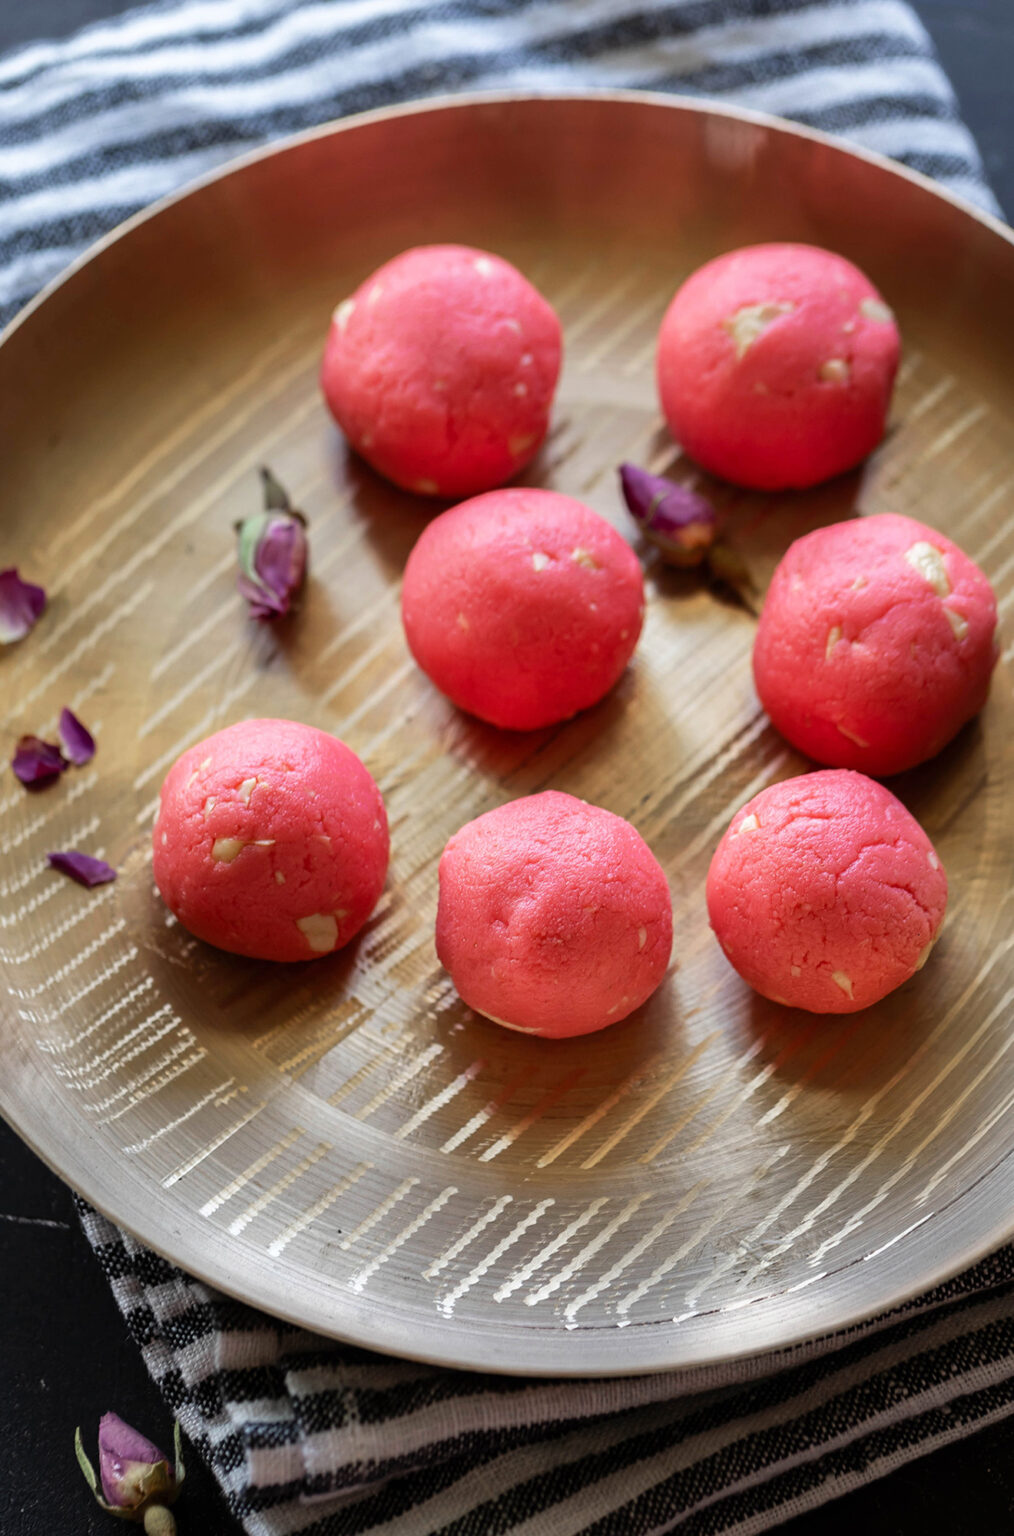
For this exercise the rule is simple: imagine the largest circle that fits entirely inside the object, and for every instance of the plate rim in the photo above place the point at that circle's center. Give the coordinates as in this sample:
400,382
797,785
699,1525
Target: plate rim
449,101
717,1369
213,1269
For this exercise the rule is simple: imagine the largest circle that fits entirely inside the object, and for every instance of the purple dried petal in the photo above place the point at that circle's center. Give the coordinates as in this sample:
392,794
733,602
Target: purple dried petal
37,763
131,1467
281,559
78,742
21,603
84,869
680,522
261,604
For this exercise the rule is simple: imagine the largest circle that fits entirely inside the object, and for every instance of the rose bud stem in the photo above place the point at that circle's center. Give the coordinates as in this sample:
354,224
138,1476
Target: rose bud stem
159,1521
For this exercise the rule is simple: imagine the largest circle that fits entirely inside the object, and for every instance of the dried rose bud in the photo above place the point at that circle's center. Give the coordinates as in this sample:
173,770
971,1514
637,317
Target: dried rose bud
272,553
21,604
130,1466
37,763
138,1482
682,524
82,867
78,742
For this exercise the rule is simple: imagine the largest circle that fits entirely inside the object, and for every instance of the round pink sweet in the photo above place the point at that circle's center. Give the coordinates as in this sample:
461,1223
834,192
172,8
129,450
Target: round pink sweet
271,841
440,369
875,643
523,606
554,916
776,365
825,893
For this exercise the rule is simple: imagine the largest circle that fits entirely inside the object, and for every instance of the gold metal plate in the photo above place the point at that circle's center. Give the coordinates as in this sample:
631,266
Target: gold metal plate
343,1144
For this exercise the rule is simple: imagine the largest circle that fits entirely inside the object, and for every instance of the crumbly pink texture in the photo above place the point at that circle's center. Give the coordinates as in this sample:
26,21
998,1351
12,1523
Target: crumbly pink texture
825,892
271,841
441,369
523,606
776,365
875,644
554,916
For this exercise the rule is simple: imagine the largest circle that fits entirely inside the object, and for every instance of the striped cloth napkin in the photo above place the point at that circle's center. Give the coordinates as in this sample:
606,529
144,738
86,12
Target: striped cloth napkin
326,1440
323,1439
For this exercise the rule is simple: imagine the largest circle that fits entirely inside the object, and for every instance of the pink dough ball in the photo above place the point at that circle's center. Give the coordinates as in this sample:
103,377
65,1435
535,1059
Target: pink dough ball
825,893
440,370
523,606
554,916
271,841
875,644
776,365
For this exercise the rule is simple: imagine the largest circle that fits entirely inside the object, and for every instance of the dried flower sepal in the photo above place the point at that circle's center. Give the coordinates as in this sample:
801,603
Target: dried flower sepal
730,571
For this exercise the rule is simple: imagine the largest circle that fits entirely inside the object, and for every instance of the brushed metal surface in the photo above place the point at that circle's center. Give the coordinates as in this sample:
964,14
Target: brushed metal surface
343,1143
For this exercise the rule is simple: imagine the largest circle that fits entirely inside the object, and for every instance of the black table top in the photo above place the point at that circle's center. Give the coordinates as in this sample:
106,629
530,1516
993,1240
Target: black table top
65,1354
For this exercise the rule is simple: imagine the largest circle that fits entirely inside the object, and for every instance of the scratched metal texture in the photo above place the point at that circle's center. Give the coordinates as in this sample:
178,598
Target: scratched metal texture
344,1143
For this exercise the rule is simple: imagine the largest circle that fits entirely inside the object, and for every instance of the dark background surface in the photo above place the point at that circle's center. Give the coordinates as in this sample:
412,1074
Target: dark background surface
65,1355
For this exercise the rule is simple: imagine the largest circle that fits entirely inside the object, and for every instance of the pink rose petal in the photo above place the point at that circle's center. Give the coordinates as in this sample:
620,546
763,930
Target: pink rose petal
21,603
78,742
37,763
82,867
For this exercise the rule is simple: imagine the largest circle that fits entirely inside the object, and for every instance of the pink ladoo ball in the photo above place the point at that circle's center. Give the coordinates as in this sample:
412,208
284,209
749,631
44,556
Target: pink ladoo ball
271,841
875,644
554,916
523,606
776,365
825,893
440,370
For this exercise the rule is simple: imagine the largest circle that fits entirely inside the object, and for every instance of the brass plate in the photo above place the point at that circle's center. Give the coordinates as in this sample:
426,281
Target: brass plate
343,1144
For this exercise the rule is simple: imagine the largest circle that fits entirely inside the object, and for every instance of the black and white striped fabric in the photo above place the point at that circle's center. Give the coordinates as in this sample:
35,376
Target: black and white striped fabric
93,128
307,1436
321,1439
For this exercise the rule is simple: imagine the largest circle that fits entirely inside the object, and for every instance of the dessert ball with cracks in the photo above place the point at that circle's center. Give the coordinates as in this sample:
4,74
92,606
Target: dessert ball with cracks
440,370
523,606
776,365
554,916
271,841
825,893
875,644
